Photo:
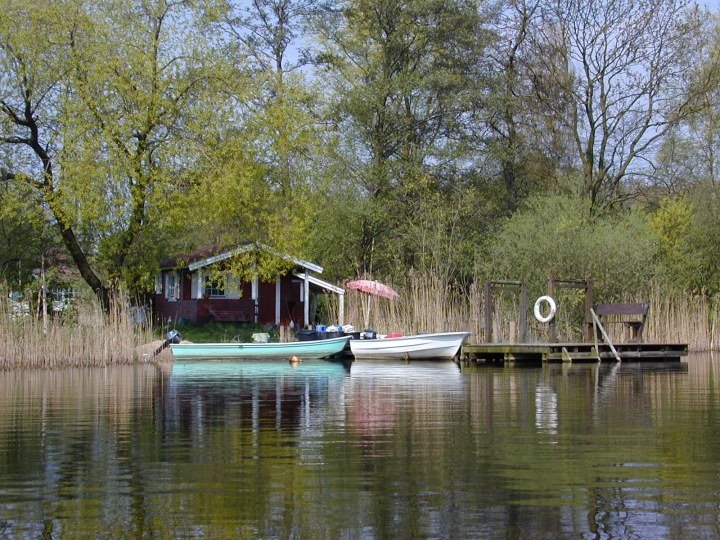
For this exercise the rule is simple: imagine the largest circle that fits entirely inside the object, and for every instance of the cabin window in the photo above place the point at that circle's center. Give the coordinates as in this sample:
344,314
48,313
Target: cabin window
213,288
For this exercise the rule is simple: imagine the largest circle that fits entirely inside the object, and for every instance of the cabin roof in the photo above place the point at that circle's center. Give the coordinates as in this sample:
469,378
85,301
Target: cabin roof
210,255
321,283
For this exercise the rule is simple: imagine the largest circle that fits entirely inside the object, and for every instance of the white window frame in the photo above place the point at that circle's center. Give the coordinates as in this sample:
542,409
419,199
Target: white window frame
207,289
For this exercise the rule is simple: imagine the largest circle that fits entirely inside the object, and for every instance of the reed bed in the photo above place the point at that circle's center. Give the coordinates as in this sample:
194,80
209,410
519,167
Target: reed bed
84,336
685,318
427,303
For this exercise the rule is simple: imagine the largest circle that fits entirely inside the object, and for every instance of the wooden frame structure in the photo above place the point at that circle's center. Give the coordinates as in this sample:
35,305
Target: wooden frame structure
554,285
489,285
590,350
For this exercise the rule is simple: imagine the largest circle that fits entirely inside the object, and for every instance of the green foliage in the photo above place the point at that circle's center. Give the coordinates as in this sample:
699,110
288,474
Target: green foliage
336,234
687,229
218,332
556,236
446,234
233,200
140,129
103,107
24,233
402,75
140,73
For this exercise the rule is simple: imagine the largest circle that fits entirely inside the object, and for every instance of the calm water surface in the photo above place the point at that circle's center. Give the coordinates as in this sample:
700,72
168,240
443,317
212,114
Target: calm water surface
372,449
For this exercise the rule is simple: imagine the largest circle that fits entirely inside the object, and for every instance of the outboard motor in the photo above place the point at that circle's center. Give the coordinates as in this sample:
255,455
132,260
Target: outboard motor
369,334
173,337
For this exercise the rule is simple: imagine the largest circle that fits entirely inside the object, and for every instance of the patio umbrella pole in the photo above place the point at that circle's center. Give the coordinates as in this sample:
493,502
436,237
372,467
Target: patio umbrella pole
367,313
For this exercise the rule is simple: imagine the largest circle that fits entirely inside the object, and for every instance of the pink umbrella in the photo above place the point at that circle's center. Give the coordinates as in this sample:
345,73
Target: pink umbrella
374,288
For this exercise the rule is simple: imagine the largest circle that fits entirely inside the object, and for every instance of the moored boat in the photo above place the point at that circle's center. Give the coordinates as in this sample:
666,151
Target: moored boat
441,346
321,348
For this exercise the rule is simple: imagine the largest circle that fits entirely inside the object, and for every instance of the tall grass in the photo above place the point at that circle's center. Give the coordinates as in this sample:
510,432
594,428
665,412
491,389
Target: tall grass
427,303
84,336
684,317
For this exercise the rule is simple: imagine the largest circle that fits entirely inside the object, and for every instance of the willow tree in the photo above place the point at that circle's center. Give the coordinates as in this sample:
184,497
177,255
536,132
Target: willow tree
264,161
98,103
24,234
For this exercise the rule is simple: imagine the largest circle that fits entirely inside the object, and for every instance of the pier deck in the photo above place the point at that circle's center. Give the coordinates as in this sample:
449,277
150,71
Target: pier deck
572,352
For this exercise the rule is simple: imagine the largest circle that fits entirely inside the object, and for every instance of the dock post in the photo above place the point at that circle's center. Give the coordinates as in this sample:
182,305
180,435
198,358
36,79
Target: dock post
589,323
552,326
523,313
488,312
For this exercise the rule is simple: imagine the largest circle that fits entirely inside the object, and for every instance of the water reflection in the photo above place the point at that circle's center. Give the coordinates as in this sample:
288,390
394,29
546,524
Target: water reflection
546,420
368,449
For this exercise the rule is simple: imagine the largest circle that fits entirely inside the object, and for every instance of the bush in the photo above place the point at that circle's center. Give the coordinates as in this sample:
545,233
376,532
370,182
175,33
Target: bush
556,236
688,229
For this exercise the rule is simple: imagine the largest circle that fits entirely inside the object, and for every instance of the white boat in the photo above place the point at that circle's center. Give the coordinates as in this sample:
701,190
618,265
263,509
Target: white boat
442,346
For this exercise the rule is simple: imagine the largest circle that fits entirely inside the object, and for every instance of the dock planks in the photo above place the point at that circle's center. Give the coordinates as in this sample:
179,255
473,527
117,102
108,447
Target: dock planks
572,352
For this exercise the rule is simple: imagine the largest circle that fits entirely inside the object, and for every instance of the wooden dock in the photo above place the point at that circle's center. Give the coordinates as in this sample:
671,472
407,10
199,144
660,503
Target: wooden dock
572,352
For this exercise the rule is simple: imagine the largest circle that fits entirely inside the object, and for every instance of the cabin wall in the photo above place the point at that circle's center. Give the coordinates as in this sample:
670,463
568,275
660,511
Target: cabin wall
291,309
290,305
226,309
231,309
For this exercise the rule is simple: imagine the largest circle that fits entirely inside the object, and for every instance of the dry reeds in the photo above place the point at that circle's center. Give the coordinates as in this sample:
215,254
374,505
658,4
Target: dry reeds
425,305
683,317
84,336
429,304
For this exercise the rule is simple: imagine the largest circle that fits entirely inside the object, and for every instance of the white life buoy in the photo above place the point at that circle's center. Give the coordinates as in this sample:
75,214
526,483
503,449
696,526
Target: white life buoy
553,309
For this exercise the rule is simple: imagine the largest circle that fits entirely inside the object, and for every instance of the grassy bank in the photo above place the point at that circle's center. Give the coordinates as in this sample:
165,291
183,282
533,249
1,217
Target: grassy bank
428,304
213,332
84,335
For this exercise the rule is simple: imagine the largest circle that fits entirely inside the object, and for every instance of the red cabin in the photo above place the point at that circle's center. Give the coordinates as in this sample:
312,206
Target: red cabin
183,290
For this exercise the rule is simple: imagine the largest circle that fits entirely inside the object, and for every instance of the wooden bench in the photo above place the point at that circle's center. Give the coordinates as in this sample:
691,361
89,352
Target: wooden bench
630,310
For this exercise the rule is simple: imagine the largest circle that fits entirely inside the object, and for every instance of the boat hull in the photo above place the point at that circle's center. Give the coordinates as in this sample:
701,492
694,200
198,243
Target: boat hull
302,349
440,346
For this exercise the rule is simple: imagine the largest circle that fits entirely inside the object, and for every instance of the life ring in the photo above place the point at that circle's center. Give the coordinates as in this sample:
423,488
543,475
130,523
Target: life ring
553,309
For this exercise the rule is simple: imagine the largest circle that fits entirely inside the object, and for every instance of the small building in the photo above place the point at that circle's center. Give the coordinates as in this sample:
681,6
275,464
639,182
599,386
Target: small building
185,290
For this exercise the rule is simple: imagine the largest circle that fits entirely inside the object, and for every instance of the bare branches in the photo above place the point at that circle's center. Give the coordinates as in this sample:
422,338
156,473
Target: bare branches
626,87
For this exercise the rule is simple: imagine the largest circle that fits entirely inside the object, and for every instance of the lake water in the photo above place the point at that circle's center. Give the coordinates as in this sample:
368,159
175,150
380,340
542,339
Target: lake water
372,449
